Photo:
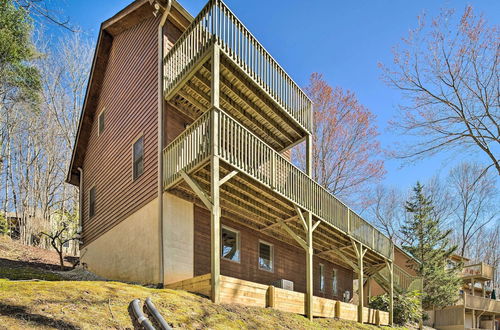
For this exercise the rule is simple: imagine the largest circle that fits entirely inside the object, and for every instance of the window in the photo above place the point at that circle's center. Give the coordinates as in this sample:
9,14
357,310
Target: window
100,122
334,282
66,244
92,202
266,257
230,244
138,155
321,277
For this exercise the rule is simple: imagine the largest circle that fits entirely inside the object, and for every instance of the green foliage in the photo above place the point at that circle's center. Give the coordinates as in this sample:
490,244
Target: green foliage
406,306
19,80
4,225
429,244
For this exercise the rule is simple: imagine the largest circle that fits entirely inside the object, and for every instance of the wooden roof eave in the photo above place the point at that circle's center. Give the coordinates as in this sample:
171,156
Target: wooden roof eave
131,15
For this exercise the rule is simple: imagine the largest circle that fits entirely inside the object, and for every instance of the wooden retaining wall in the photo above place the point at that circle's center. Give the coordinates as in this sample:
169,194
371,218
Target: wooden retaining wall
236,291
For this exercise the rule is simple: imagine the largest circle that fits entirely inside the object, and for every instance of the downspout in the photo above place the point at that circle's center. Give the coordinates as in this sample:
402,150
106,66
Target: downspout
161,5
80,202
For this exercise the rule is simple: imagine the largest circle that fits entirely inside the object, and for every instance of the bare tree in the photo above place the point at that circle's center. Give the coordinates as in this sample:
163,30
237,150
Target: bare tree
43,9
37,142
346,152
485,247
59,237
475,202
448,72
440,196
387,211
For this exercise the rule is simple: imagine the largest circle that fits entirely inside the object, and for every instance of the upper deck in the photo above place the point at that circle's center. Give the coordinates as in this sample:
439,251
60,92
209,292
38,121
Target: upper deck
254,88
479,271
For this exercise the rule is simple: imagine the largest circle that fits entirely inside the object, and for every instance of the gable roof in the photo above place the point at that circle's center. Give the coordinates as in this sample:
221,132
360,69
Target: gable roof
131,15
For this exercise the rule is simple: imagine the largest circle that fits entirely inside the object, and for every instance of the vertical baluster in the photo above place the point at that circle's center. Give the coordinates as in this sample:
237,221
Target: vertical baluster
240,149
227,29
234,147
238,37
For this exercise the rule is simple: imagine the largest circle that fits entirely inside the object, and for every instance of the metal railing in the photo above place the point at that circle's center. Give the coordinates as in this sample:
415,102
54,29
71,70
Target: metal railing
250,155
216,24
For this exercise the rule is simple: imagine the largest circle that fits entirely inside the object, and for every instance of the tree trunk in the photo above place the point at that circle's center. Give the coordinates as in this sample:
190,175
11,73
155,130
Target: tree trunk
61,259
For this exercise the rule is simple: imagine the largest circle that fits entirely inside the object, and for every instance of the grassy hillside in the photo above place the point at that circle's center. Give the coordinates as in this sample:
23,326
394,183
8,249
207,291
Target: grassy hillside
34,294
91,305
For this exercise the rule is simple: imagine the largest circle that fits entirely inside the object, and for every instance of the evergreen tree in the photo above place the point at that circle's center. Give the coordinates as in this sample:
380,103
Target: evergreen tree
19,79
429,244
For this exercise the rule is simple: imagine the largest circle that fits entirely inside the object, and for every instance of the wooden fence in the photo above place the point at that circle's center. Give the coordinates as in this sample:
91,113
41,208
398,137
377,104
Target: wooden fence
236,291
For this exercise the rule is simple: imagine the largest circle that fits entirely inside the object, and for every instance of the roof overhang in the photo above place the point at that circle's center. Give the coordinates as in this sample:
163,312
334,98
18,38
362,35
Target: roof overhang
133,14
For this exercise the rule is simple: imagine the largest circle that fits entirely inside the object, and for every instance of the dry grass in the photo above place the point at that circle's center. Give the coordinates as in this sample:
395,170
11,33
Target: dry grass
51,302
91,305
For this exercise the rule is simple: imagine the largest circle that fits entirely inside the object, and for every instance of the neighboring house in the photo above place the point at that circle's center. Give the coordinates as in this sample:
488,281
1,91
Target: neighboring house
475,308
236,220
35,224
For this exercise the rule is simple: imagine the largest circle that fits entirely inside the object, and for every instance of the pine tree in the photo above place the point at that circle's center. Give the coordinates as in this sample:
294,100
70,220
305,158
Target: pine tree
429,244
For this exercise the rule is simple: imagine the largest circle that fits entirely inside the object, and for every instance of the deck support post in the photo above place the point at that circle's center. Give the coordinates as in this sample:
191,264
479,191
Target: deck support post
360,253
390,266
309,267
214,183
309,239
368,289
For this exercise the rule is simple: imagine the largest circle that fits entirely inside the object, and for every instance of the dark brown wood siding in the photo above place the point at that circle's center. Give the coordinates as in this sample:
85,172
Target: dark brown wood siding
289,261
129,98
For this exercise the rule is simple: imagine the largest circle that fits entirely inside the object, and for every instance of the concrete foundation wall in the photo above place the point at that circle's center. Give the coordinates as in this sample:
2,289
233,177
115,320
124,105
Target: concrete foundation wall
130,250
178,228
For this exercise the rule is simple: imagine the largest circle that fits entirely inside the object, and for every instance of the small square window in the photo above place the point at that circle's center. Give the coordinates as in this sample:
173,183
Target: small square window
321,277
101,122
266,257
230,244
334,283
92,202
138,155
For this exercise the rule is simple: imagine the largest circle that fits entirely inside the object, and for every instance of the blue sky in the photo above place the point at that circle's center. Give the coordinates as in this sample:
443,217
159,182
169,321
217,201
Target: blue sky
344,40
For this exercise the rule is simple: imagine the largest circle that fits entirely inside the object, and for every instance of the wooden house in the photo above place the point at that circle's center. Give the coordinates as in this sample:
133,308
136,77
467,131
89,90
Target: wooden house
196,111
475,308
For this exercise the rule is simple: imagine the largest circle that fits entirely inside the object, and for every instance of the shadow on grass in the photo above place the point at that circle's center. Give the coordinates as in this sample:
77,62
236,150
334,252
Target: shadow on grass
21,313
21,270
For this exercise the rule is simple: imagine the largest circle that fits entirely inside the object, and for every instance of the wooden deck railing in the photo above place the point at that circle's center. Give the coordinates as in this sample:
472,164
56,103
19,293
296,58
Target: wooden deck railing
481,303
216,24
250,155
403,280
480,270
189,149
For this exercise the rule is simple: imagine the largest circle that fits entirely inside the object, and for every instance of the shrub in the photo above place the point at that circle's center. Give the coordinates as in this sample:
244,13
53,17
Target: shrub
4,226
406,306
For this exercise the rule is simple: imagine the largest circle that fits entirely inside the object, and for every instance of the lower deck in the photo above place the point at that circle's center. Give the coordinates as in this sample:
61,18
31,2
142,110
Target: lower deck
470,312
330,280
237,291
